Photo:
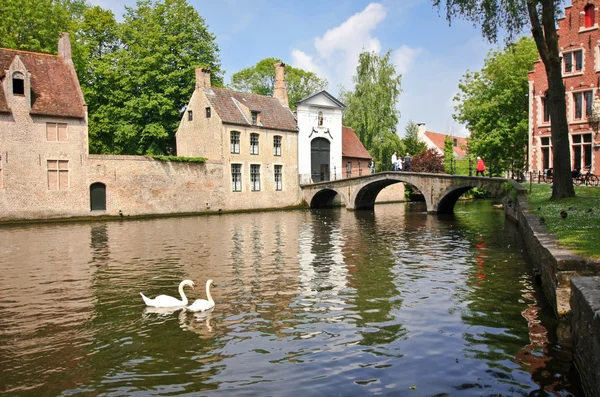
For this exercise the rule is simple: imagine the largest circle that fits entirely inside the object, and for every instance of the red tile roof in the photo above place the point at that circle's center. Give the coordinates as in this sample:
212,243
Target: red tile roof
352,146
439,139
273,114
54,86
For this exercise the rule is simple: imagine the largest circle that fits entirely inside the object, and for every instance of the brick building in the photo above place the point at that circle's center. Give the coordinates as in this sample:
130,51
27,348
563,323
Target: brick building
355,156
579,45
250,141
43,134
252,137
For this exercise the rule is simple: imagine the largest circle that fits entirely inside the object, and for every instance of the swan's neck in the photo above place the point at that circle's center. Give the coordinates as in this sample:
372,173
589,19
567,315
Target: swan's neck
210,299
182,294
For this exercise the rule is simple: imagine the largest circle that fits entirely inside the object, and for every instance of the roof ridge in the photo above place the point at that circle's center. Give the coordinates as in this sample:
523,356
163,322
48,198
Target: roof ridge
243,92
30,52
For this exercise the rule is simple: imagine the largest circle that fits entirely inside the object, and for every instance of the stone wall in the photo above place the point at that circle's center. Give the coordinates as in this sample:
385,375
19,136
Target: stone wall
29,186
570,283
555,265
585,330
137,185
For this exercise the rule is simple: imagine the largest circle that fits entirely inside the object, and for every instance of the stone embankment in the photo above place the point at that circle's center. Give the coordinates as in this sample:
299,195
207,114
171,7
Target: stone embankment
570,283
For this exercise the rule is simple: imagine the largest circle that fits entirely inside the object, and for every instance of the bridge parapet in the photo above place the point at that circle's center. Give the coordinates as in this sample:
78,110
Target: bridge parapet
440,191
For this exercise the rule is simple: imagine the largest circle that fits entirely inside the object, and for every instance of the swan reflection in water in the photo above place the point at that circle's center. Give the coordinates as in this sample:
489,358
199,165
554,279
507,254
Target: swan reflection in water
162,311
198,322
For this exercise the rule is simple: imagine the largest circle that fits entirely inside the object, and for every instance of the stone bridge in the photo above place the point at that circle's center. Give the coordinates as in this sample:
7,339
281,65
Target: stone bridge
441,191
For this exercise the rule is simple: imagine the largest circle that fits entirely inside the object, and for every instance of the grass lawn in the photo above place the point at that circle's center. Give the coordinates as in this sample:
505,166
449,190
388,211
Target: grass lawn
580,229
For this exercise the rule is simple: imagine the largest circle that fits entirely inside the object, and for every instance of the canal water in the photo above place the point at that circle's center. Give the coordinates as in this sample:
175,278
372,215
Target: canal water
393,302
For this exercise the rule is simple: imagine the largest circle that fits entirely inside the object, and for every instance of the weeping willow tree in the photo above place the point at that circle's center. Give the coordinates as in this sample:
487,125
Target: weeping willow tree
371,107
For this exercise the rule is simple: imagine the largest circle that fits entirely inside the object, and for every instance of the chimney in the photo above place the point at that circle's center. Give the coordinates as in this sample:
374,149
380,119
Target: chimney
64,46
202,79
421,130
280,91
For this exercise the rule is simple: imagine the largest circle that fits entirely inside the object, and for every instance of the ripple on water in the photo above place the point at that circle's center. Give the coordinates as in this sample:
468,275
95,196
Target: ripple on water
389,302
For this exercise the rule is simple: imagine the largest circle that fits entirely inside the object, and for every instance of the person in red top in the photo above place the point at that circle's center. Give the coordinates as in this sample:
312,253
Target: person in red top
480,167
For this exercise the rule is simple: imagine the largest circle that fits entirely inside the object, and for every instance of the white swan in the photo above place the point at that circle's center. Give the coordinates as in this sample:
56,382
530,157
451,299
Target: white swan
201,305
169,301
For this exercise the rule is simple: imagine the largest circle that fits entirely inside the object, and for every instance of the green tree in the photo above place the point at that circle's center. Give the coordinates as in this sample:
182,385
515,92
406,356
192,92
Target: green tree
449,159
411,139
260,79
34,25
371,106
493,104
146,76
511,17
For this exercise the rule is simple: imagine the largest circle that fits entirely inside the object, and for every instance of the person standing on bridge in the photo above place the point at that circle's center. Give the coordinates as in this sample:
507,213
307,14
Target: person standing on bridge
394,162
372,166
480,167
407,159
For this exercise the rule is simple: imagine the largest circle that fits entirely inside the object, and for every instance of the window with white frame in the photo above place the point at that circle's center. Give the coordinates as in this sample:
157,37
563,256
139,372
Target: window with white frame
582,150
58,174
277,145
235,141
546,148
573,61
582,105
255,177
253,143
278,177
236,177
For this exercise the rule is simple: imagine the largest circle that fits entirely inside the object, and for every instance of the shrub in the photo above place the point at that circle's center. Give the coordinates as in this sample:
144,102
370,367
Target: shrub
428,161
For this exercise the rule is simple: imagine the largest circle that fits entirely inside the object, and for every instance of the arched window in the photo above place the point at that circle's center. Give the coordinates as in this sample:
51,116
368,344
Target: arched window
98,196
18,80
589,16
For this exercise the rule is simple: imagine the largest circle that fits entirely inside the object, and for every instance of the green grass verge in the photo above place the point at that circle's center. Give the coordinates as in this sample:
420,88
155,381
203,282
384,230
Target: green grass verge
580,229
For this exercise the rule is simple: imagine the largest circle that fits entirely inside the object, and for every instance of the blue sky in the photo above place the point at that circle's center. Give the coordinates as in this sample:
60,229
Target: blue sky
326,37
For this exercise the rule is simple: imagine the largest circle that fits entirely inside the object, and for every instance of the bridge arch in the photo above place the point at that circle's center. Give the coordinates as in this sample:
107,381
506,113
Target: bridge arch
324,198
365,194
445,204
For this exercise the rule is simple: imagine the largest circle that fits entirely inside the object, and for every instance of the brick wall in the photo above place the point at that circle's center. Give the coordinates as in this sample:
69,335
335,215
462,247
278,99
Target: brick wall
573,37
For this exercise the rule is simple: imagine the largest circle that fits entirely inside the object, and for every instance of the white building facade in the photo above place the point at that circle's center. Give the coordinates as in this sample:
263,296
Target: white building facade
319,120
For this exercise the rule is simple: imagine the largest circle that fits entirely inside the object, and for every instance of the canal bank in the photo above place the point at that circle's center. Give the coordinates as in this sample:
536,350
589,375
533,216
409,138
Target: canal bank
571,284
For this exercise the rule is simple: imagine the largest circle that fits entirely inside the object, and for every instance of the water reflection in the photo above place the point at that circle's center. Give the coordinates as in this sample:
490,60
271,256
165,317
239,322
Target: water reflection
319,302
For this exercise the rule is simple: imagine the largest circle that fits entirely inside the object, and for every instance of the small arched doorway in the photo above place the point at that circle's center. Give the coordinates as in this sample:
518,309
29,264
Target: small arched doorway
98,196
319,159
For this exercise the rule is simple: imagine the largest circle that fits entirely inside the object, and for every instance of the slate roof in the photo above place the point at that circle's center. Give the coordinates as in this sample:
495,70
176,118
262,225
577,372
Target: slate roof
439,139
352,146
273,114
54,85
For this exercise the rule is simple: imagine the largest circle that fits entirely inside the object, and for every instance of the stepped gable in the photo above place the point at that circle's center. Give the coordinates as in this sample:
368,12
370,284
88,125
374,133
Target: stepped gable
352,146
273,114
54,86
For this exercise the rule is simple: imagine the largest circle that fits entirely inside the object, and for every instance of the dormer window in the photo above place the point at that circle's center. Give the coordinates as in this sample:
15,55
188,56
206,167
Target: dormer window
18,80
254,117
589,16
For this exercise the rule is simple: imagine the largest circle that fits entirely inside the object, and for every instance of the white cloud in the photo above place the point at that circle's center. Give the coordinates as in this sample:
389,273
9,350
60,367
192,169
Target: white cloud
404,57
336,52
